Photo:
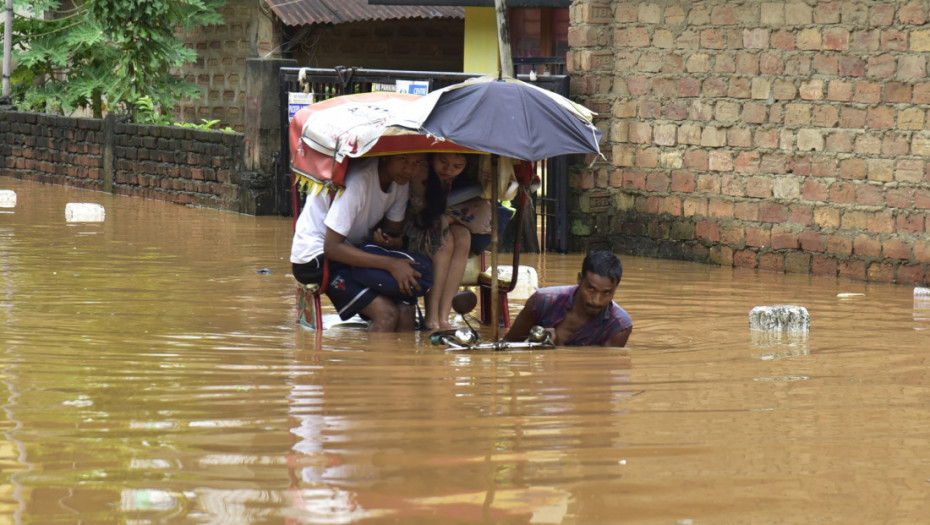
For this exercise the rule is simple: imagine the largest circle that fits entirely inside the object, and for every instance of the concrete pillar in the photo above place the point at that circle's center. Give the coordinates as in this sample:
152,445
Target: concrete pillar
262,135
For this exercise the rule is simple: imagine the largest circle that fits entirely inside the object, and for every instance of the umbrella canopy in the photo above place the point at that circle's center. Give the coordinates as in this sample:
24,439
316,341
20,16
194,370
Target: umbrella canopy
508,117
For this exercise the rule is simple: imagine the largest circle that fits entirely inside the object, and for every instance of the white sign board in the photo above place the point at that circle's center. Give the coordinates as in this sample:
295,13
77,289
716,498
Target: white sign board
414,87
296,102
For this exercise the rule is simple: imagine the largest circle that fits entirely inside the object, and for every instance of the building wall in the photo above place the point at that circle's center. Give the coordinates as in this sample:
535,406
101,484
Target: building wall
785,136
418,45
220,67
252,31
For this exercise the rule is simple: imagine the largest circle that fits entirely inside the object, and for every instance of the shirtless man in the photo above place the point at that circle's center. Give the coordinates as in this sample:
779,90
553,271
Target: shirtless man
583,314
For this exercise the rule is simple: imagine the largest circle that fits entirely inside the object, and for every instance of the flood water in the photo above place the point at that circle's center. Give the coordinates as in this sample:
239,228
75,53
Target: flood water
152,372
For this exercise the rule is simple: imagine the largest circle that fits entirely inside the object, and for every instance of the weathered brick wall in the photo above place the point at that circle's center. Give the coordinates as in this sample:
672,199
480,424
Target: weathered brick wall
220,66
179,165
786,136
418,45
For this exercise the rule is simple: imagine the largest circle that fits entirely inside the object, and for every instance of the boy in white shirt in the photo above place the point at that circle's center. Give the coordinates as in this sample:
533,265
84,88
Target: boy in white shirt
375,191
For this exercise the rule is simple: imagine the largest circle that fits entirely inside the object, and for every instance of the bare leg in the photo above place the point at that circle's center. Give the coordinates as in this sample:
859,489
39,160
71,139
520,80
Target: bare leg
433,298
408,318
460,238
384,314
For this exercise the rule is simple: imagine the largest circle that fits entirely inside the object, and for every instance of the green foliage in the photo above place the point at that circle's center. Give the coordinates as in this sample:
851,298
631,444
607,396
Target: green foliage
114,52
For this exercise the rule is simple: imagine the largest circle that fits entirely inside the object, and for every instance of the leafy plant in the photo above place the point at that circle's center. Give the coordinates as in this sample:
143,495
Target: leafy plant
114,55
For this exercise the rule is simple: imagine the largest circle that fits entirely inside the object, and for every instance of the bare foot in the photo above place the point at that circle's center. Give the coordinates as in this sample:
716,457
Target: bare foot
445,326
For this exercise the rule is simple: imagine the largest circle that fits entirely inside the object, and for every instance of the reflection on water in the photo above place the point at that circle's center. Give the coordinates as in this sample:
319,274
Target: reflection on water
152,373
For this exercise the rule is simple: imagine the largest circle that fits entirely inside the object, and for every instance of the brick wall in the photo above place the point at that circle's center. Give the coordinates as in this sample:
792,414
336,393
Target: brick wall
785,136
179,165
418,45
220,66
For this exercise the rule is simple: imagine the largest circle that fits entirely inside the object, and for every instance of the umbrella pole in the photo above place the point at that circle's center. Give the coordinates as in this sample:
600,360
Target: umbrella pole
495,291
503,38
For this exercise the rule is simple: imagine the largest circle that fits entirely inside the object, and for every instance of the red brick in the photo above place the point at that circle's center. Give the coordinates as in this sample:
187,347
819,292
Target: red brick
746,162
774,262
909,222
731,234
812,241
866,40
798,262
910,274
881,272
899,198
672,205
657,182
758,237
897,92
746,211
814,190
682,181
881,117
851,66
634,179
689,87
824,266
801,215
720,209
922,199
839,244
852,118
895,248
713,39
835,39
853,269
894,40
783,239
867,246
696,159
759,187
870,195
707,230
744,259
773,212
922,251
646,158
853,169
881,222
912,14
783,40
922,93
840,90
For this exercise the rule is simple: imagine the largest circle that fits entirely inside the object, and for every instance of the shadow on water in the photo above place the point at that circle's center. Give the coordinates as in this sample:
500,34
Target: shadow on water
153,373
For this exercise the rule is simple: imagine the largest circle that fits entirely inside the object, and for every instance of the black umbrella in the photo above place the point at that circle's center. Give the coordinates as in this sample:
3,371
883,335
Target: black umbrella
508,117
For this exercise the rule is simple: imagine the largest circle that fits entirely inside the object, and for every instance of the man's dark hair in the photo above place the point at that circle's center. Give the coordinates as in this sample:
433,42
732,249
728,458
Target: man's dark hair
603,263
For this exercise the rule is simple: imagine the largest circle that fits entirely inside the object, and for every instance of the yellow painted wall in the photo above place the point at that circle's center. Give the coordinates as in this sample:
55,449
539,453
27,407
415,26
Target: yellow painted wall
481,50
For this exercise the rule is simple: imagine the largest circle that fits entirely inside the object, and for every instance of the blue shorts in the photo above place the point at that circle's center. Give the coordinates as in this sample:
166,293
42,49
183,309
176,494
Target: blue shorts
348,295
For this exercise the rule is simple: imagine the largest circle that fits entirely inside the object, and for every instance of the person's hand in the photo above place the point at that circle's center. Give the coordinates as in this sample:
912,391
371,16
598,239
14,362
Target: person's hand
386,240
406,275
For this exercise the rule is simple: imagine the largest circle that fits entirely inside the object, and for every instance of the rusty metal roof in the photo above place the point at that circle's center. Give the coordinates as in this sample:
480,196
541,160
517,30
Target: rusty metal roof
306,12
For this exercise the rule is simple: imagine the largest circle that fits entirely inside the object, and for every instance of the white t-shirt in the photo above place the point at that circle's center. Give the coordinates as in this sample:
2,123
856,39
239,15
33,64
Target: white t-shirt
353,213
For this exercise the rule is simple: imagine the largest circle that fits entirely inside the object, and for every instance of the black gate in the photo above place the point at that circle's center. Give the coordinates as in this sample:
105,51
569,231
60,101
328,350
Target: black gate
551,200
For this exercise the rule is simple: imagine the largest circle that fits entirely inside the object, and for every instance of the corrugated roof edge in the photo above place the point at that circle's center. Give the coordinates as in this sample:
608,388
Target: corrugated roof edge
308,12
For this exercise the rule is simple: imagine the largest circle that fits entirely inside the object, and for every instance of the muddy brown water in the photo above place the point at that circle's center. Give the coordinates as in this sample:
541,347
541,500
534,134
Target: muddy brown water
152,372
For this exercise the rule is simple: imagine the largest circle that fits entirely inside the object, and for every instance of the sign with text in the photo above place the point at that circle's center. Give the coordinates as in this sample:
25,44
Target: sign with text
296,102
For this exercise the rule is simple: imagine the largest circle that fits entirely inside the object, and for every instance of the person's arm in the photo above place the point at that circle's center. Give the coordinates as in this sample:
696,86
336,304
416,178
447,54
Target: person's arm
402,270
619,339
525,320
389,235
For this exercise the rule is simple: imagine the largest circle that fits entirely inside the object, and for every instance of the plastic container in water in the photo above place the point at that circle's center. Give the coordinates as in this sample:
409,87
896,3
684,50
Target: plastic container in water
84,212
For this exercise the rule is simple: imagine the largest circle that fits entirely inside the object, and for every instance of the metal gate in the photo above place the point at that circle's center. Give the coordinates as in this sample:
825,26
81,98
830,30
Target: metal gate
319,84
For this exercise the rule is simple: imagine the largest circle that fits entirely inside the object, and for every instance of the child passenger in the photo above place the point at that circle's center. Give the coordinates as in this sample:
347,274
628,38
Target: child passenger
431,231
